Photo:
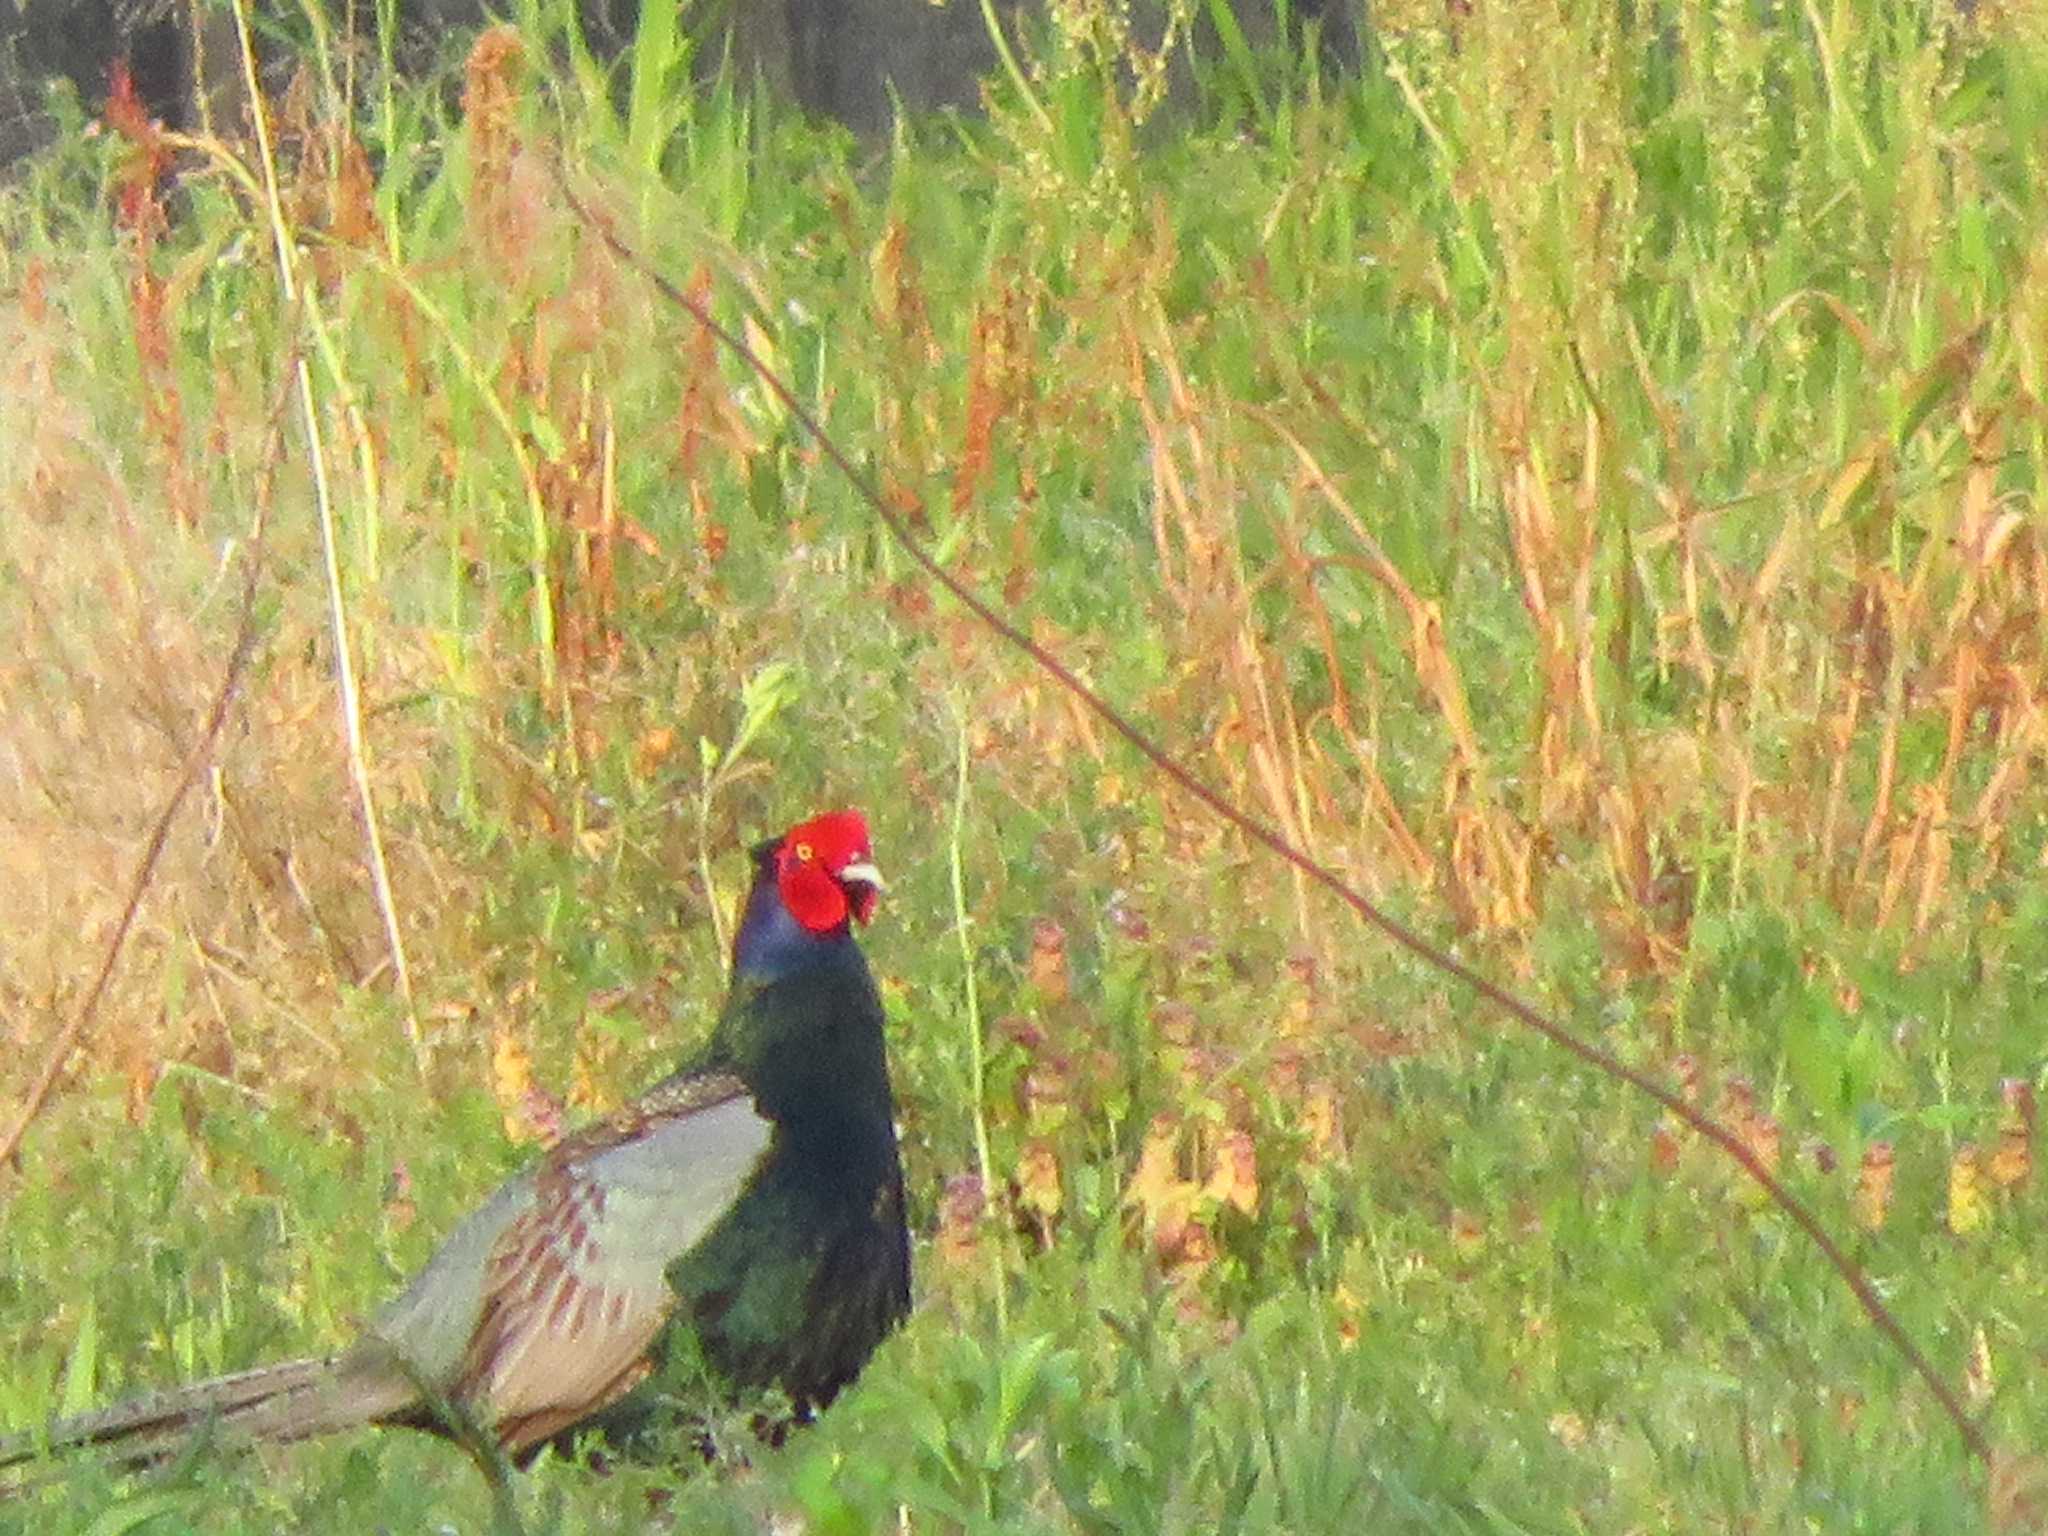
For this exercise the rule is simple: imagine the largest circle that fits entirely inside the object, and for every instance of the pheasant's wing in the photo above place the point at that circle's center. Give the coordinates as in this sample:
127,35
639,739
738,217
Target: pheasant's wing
541,1309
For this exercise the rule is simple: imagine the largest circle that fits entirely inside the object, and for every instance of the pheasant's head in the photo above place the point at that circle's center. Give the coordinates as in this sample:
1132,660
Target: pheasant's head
803,1022
810,885
825,872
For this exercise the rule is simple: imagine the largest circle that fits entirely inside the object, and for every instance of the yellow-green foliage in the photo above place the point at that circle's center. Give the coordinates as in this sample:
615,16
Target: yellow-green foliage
1579,478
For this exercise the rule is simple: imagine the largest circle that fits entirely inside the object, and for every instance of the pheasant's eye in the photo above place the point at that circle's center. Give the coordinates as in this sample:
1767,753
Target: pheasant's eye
803,853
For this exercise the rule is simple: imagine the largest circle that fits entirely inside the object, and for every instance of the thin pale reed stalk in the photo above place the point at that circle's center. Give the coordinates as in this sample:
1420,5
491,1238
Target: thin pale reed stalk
977,1074
350,698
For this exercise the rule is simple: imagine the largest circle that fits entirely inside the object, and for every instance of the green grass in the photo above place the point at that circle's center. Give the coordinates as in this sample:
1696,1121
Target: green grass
1579,477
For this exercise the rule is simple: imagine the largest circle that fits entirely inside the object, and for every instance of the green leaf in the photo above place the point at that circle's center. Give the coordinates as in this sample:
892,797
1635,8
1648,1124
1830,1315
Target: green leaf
661,52
1016,1381
1941,381
762,698
81,1370
132,1514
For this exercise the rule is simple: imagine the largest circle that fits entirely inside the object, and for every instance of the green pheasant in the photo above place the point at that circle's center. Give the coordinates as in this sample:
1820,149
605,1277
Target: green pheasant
754,1199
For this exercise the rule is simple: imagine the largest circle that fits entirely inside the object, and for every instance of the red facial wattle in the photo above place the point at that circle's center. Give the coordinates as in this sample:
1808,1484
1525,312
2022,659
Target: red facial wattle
861,897
826,873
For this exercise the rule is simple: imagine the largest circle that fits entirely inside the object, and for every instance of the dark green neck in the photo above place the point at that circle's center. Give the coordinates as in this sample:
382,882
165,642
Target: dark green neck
808,1043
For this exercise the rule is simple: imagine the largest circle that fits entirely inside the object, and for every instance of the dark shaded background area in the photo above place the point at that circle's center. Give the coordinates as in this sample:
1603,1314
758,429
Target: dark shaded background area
76,41
836,58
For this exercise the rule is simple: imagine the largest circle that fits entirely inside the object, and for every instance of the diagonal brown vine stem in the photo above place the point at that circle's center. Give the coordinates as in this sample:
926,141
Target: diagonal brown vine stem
1853,1275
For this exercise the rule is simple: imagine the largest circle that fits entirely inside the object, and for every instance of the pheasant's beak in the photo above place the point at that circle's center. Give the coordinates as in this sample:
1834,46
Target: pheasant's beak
863,874
864,885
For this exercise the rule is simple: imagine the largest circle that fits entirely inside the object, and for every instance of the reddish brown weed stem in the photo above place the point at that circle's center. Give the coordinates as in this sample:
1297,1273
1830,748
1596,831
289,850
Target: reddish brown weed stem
1523,1013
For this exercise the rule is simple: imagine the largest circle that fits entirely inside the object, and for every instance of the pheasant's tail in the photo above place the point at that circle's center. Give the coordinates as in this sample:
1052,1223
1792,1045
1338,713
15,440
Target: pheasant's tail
288,1401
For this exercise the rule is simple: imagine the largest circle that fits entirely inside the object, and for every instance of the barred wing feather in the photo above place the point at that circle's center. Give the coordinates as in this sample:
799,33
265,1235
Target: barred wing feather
566,1267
